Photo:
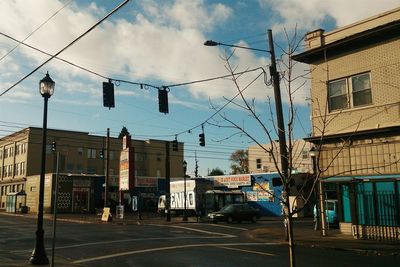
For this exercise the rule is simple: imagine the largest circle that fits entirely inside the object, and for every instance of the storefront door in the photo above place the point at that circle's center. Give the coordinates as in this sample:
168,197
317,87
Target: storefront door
80,200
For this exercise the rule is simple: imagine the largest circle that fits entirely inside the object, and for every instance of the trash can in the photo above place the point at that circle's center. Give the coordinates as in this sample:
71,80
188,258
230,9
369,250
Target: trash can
120,212
24,209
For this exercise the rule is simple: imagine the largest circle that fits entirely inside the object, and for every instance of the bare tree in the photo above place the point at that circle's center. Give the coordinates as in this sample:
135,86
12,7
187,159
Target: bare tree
292,83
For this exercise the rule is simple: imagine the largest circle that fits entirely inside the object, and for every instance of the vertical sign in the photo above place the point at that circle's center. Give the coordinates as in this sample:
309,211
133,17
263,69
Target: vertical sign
126,166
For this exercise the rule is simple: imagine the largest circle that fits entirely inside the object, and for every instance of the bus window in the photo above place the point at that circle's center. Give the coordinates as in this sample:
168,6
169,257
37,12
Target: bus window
276,182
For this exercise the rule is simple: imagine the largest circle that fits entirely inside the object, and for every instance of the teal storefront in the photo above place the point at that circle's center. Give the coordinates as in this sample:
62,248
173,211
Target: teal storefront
370,204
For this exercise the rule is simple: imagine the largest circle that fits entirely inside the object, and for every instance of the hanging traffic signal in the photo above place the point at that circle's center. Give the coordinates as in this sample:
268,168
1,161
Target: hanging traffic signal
163,100
101,154
202,140
108,95
175,145
53,146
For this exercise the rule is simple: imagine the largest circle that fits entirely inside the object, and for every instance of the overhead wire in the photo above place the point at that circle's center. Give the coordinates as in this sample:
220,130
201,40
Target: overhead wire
66,47
36,29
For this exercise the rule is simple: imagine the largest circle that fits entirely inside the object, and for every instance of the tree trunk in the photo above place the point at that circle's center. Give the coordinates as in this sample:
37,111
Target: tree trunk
292,258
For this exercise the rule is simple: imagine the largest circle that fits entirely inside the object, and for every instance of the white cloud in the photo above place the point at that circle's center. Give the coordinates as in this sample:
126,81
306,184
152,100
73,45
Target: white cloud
309,14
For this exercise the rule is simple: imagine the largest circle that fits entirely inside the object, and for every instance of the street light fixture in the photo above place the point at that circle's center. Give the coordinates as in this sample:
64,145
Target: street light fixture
39,257
213,43
278,101
184,165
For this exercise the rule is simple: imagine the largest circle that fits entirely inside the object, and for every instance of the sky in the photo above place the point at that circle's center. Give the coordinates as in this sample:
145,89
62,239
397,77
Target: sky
160,43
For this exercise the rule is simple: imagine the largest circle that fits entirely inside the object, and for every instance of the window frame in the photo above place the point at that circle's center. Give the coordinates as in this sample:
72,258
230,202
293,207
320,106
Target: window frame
349,92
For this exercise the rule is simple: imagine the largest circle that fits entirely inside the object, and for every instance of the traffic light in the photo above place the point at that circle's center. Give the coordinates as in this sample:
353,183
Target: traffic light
108,95
163,100
202,140
175,145
53,146
102,154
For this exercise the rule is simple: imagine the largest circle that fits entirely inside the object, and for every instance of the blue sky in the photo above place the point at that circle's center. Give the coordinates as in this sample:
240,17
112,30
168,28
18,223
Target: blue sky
158,43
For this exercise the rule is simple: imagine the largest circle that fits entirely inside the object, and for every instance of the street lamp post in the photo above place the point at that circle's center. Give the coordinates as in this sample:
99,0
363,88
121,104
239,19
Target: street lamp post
39,257
320,203
184,165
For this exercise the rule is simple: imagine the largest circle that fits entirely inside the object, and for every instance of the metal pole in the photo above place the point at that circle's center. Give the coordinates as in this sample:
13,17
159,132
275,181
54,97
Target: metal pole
322,208
55,210
39,256
106,180
167,182
184,185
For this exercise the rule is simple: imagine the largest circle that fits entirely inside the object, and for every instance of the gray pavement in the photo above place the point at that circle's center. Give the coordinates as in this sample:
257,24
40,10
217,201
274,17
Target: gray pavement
267,230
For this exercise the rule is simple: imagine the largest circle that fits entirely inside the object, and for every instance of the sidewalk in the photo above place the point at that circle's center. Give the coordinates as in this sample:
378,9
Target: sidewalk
307,236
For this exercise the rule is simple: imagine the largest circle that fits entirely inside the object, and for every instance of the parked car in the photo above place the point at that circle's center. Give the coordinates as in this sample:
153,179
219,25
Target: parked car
235,212
331,207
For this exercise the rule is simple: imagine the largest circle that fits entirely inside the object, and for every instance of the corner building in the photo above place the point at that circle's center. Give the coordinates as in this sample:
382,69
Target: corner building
355,93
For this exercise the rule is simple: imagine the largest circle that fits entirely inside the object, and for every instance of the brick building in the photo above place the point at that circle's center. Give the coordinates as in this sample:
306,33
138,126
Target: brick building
81,168
355,74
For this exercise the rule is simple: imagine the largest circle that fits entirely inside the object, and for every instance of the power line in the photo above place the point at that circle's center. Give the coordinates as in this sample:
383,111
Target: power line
66,47
40,26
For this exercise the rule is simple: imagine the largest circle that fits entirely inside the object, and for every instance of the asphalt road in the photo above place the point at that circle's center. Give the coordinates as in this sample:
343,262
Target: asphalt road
184,244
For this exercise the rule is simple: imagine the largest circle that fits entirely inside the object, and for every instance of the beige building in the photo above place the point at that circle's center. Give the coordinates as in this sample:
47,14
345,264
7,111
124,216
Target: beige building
81,167
355,73
261,161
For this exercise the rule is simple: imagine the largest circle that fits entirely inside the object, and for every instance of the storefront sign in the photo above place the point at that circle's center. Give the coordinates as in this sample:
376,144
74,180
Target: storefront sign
233,181
146,181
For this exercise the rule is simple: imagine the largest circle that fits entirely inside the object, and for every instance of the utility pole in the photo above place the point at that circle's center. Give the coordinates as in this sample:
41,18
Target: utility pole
167,182
106,180
196,168
282,148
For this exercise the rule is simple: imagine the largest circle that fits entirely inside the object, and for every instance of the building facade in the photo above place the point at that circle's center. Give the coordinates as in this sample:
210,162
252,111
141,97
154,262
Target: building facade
81,167
261,161
355,73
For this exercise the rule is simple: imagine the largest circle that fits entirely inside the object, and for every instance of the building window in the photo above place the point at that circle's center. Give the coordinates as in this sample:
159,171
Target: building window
70,167
22,168
16,169
111,154
361,86
304,154
350,92
91,153
338,95
258,163
80,151
10,170
79,168
1,172
23,148
17,149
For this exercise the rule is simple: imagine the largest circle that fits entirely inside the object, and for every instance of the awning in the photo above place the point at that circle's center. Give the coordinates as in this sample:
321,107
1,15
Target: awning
360,178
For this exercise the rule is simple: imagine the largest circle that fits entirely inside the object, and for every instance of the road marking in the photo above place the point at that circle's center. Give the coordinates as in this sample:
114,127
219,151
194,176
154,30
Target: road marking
197,230
230,227
248,251
120,241
127,253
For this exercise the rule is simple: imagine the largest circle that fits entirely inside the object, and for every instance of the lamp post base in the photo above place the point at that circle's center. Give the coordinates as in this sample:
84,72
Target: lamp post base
39,256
